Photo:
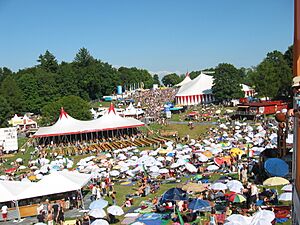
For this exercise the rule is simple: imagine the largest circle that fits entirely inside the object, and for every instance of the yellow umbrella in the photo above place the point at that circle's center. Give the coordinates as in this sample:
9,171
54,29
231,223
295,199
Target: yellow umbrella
236,151
32,178
275,181
163,151
207,154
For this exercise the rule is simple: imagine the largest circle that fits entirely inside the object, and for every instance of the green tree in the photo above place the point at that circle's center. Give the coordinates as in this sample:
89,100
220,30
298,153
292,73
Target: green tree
131,76
156,79
83,58
73,105
171,79
227,83
13,94
288,56
4,72
48,62
5,111
273,76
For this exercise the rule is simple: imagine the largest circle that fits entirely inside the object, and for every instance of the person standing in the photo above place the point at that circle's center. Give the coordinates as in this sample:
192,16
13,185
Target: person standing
244,175
94,192
4,211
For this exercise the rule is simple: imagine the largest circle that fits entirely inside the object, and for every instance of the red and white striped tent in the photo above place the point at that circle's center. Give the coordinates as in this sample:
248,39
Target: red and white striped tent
199,91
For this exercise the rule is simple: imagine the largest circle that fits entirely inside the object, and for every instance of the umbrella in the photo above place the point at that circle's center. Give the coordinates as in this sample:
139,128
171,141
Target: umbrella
233,223
174,194
287,187
199,205
235,186
237,198
218,186
115,210
276,167
163,170
22,167
100,222
202,158
275,181
154,169
285,196
97,213
114,173
236,152
138,223
100,204
212,167
207,154
191,168
237,218
263,215
19,160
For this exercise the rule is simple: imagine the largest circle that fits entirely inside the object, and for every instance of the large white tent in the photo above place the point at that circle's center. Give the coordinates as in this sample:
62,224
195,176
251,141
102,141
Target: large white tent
67,125
11,189
199,91
186,80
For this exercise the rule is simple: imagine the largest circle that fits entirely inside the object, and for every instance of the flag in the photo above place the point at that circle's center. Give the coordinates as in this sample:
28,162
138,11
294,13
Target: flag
180,217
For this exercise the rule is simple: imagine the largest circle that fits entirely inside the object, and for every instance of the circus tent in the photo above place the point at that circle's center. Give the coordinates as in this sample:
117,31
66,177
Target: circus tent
185,80
199,91
67,125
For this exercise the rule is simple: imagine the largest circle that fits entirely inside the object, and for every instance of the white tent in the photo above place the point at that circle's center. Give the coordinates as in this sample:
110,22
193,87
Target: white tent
132,111
196,91
67,125
10,189
57,182
199,91
186,80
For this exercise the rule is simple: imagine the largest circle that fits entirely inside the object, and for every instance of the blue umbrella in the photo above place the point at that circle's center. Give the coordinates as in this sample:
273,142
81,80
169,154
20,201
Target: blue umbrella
175,194
199,205
98,204
276,167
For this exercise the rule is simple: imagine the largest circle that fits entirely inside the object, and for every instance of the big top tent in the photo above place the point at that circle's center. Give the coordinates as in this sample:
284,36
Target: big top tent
67,125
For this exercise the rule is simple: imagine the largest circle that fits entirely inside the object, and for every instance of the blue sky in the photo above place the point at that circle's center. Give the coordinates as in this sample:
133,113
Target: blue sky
158,35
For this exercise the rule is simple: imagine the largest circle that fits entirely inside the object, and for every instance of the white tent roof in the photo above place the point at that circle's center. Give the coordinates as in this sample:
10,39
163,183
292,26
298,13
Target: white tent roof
186,80
246,88
66,124
200,85
10,189
57,182
132,111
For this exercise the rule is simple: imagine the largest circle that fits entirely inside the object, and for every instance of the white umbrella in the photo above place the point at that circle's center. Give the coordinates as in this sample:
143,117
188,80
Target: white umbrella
212,167
218,186
22,167
233,223
288,187
154,169
191,168
163,170
137,223
100,222
202,158
114,173
97,213
237,218
261,222
287,196
263,215
115,210
174,165
19,160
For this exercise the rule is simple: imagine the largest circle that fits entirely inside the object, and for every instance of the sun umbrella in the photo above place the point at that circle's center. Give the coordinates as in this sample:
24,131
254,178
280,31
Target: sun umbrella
239,219
212,168
138,223
154,169
19,160
288,187
174,194
114,173
237,198
218,186
115,210
191,168
202,158
97,213
263,215
207,154
199,205
261,222
22,167
163,170
100,204
233,223
235,186
100,222
275,181
285,196
236,152
276,167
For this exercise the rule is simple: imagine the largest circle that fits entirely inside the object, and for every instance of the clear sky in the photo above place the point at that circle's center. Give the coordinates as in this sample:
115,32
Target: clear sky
158,35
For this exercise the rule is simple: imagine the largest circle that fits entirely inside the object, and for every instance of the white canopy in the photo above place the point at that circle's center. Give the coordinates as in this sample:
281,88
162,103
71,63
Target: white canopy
10,189
57,182
67,125
186,80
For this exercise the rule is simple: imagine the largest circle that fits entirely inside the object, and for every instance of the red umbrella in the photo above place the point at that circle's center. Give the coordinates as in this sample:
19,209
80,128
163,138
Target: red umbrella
11,170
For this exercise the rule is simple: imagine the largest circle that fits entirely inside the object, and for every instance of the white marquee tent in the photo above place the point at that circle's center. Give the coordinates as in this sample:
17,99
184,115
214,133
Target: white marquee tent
186,80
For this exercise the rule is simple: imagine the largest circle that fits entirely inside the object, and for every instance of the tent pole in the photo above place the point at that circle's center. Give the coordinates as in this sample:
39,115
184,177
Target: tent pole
18,209
82,201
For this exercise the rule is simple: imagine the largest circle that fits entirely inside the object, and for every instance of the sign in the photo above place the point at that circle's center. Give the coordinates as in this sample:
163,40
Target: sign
9,139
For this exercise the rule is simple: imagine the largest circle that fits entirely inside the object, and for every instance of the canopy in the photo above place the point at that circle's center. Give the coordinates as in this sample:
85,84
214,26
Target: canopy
10,189
276,167
67,125
186,80
57,182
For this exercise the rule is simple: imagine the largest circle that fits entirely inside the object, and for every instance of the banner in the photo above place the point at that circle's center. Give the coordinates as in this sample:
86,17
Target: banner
8,139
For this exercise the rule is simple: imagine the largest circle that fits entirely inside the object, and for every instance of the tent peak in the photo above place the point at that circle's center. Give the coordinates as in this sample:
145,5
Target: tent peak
111,108
63,113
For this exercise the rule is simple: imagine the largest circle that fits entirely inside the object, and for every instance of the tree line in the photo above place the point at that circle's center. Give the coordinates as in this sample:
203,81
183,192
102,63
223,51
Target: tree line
44,88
